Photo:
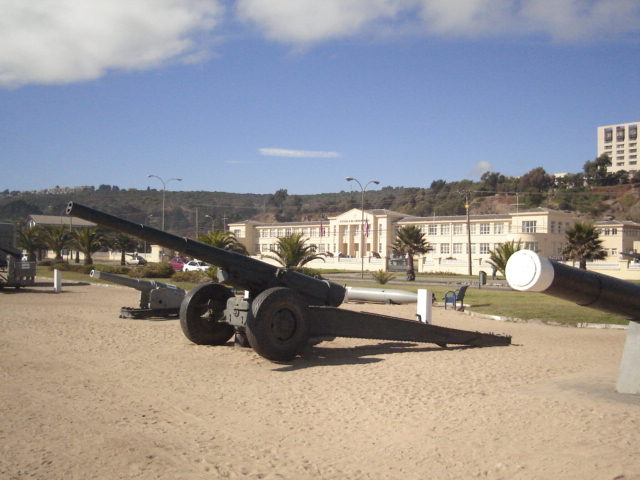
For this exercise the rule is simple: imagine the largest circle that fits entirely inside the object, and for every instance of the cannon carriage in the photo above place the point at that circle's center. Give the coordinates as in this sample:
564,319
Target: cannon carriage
281,309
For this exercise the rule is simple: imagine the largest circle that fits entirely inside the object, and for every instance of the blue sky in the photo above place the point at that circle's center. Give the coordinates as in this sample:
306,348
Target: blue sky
258,95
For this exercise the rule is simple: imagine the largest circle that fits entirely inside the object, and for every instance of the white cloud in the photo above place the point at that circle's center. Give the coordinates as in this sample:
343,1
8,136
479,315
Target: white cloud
304,22
283,152
481,167
63,41
309,21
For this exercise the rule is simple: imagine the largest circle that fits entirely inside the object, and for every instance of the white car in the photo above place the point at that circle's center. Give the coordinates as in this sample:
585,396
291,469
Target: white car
195,265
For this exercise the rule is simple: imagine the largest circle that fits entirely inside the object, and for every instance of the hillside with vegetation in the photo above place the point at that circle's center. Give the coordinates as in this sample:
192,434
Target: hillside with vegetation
593,193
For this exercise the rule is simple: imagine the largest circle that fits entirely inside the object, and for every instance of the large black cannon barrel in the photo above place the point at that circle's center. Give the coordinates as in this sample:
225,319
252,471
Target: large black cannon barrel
527,271
239,270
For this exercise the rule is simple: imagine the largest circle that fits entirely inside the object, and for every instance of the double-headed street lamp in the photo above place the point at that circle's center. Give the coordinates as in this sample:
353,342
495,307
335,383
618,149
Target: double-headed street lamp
164,188
362,245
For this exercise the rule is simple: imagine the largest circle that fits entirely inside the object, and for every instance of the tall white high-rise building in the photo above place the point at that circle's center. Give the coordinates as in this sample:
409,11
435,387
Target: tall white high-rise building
620,142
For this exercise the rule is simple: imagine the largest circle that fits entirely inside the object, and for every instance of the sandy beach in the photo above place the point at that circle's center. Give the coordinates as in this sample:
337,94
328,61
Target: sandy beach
88,395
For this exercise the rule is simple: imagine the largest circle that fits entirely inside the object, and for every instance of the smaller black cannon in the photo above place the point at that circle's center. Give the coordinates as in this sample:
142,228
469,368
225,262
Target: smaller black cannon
282,310
157,299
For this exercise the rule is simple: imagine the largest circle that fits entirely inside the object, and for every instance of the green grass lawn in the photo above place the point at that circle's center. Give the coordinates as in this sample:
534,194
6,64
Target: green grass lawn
507,303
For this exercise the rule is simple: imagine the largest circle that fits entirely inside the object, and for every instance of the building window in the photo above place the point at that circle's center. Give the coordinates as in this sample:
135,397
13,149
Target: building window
444,248
237,233
552,226
620,134
607,147
608,134
633,132
484,248
531,246
457,248
498,228
433,229
529,226
457,229
485,228
444,229
472,228
473,248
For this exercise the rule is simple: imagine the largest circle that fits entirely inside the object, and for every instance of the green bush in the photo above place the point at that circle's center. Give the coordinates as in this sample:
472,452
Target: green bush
86,269
382,277
72,267
152,270
117,269
191,277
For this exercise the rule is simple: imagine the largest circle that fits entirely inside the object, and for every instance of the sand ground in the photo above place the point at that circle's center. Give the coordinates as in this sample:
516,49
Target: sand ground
87,395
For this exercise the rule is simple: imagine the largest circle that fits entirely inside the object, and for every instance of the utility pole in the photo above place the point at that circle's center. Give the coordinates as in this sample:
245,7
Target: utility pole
467,205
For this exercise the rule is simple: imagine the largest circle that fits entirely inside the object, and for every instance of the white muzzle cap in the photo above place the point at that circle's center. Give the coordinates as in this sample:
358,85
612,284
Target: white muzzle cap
528,271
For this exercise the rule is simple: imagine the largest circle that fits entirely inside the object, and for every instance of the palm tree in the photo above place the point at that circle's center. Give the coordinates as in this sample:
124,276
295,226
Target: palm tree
293,252
499,257
56,238
409,242
583,244
223,240
88,241
122,242
30,239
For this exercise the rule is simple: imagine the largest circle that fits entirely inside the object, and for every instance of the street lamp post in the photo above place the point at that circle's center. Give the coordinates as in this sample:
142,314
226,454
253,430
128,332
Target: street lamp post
164,188
213,222
362,246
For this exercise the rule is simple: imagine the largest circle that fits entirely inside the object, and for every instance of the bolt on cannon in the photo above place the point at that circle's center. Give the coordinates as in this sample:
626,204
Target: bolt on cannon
282,309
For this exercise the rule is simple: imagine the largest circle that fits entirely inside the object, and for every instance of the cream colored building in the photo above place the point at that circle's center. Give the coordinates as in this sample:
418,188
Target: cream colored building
620,142
340,238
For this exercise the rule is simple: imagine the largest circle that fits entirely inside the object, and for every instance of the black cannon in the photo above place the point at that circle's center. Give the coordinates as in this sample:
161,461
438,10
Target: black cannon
157,299
281,309
527,271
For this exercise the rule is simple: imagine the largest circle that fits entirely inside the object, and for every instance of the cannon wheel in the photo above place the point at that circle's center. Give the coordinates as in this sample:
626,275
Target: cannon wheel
201,312
277,328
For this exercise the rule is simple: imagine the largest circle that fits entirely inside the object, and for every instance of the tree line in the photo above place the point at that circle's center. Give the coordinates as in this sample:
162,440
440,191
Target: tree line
593,192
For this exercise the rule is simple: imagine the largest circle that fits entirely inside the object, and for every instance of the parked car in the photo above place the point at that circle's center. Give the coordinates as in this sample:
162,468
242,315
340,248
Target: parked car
135,259
195,265
177,263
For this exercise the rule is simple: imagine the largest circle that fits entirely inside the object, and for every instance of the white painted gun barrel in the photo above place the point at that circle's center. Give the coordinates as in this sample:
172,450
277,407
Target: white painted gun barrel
528,272
385,295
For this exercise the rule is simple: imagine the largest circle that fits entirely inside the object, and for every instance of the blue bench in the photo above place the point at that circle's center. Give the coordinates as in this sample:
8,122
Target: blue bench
454,296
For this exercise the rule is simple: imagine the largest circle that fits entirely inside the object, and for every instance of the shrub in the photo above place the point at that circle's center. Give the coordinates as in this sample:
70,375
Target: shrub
117,269
152,270
72,267
191,277
382,277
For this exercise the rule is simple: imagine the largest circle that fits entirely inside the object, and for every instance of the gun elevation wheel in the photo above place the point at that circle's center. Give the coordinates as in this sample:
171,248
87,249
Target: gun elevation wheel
277,328
201,313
